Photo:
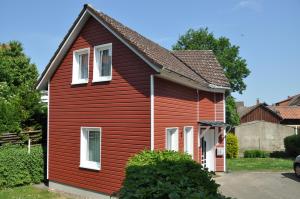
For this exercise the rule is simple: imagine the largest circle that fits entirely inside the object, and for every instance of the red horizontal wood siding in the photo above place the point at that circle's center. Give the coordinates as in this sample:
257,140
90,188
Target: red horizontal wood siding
121,107
179,106
174,106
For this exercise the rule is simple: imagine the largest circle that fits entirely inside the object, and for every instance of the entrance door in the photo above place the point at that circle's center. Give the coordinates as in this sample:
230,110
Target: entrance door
208,150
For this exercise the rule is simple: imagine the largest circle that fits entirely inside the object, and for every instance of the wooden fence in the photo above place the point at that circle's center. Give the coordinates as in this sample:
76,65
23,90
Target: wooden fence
22,138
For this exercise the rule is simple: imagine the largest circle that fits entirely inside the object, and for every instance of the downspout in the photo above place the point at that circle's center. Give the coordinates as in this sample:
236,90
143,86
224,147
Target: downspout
152,111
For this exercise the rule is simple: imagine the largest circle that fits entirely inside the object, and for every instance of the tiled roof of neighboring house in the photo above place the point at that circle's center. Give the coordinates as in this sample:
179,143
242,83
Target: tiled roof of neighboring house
288,112
290,101
204,70
204,63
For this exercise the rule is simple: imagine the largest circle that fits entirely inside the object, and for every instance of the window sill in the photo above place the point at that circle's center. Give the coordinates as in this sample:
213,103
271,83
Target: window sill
90,165
103,79
80,82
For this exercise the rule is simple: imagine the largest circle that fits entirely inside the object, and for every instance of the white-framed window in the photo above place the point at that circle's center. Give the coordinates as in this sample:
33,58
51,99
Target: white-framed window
80,73
90,148
172,139
189,140
102,63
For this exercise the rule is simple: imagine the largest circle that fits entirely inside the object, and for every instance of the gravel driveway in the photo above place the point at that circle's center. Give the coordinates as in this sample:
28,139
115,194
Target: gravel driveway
260,185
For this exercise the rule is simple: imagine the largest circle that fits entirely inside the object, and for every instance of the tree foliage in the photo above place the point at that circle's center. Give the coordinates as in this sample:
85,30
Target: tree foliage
235,67
19,101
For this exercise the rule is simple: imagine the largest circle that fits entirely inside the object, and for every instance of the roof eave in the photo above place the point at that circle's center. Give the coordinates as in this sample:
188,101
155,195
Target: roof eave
186,81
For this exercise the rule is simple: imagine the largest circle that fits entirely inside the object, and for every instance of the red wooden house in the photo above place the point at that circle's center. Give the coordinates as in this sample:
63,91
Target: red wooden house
113,92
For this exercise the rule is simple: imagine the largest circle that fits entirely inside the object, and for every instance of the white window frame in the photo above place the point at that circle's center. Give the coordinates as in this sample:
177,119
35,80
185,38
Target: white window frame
75,68
185,140
96,69
177,135
84,163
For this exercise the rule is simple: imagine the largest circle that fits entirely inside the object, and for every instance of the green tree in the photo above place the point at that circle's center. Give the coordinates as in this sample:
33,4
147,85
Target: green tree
19,101
227,54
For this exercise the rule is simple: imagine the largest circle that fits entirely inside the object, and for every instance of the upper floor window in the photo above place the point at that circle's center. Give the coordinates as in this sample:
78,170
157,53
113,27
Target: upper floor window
80,66
102,63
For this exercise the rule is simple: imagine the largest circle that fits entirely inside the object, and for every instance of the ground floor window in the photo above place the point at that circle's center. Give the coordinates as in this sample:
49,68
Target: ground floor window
172,139
189,140
90,148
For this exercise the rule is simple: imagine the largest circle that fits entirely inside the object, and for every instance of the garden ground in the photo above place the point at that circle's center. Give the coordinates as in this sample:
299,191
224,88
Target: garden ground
30,192
259,164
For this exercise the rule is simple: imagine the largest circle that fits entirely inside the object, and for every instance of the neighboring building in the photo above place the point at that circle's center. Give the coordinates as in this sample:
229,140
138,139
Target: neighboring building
289,110
113,93
258,112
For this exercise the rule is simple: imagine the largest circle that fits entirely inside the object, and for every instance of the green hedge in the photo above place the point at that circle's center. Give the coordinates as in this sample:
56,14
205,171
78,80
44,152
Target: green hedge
292,145
167,174
232,147
17,167
256,154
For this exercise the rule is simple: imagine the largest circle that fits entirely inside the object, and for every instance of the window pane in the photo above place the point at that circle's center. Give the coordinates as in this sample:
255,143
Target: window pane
106,63
83,66
188,140
94,146
172,142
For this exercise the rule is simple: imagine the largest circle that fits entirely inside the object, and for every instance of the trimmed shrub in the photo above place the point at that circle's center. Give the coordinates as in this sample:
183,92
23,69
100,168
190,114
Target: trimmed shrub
166,174
17,167
256,154
292,145
232,147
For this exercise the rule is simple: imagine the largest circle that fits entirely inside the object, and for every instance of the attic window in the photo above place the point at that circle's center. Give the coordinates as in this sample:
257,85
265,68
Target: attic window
102,63
80,66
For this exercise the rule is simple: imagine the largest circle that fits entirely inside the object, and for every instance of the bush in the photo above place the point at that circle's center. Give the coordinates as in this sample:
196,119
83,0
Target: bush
232,147
256,154
279,154
166,174
292,145
17,167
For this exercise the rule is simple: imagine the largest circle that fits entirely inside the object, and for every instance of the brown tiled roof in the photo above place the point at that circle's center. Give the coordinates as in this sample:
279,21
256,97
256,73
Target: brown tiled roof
154,52
204,63
288,112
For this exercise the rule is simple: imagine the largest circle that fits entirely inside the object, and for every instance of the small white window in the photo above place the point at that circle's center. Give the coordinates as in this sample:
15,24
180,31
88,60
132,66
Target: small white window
90,148
172,139
102,63
81,66
188,140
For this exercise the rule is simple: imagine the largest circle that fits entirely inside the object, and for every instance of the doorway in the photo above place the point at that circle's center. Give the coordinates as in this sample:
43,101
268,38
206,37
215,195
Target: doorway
208,156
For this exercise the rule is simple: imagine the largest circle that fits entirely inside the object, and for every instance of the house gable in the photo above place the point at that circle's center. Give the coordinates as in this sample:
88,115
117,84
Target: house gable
157,57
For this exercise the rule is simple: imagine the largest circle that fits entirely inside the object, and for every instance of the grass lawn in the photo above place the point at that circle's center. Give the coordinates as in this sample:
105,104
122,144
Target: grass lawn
259,164
28,192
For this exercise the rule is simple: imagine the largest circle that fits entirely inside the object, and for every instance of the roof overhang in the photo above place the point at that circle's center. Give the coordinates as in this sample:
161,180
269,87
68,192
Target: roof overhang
213,124
185,81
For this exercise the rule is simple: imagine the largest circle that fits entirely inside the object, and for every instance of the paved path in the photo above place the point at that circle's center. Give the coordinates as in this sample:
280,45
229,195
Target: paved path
260,185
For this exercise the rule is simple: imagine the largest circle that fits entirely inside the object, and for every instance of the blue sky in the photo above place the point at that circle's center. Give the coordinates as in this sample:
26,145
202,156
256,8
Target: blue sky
267,31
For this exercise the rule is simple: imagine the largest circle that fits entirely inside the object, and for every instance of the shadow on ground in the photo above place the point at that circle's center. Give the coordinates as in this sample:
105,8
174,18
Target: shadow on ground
291,176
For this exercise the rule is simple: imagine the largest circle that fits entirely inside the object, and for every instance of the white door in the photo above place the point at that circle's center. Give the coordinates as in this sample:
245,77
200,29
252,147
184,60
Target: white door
209,138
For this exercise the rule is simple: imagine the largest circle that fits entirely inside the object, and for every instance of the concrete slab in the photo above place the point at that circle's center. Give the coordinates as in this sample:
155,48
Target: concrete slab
266,185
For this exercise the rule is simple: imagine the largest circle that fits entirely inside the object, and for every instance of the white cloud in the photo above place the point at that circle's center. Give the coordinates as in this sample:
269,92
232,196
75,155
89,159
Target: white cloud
254,5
